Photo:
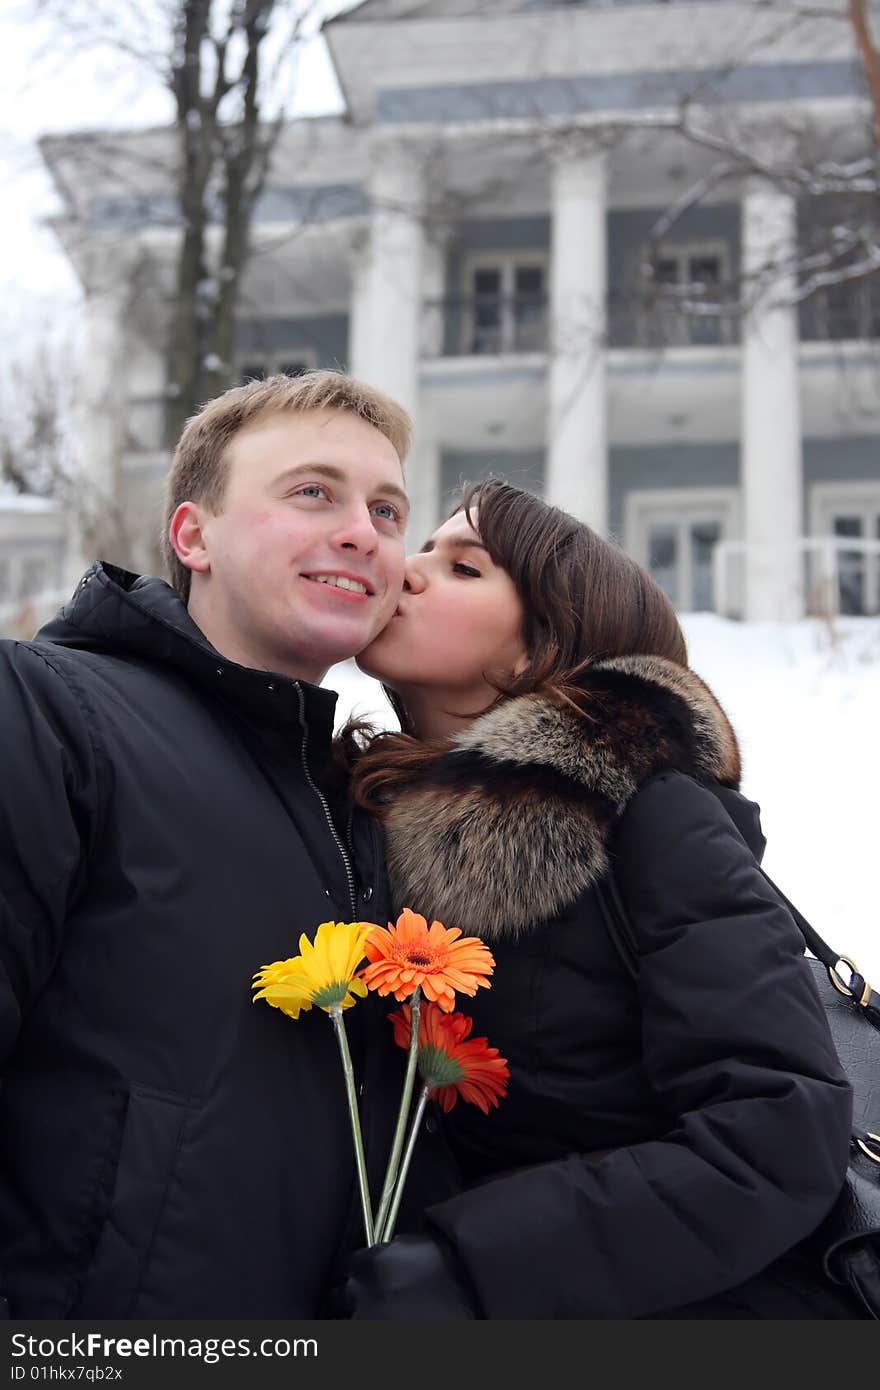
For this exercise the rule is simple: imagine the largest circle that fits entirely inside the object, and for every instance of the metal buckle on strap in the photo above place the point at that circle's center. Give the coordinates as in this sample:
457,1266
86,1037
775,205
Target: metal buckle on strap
873,1149
844,988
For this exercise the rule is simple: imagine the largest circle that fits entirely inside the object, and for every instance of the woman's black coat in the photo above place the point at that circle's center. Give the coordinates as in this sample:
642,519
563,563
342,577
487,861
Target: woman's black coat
665,1141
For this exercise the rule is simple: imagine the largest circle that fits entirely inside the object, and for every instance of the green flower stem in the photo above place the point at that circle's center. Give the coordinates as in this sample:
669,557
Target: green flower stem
415,1005
404,1167
360,1161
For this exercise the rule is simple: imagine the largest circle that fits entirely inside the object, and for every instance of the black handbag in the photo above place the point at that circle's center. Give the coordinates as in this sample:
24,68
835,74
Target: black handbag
848,1241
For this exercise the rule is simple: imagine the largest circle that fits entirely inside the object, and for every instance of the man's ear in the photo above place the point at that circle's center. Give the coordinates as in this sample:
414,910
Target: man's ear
186,533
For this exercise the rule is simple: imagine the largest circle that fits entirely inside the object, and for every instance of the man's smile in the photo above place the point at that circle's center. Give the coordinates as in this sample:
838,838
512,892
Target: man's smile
344,585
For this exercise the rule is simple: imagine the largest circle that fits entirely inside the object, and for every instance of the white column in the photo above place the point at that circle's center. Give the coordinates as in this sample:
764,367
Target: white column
388,293
386,342
424,466
359,314
433,319
423,486
771,416
577,462
423,469
97,522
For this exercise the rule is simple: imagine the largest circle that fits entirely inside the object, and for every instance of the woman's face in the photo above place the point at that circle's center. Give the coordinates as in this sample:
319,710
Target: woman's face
458,622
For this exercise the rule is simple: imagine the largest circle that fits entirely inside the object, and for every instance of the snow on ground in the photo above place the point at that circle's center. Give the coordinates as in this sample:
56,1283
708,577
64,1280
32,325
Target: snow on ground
804,699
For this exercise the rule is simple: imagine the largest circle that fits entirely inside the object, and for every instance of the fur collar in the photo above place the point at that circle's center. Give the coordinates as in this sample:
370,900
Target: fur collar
511,824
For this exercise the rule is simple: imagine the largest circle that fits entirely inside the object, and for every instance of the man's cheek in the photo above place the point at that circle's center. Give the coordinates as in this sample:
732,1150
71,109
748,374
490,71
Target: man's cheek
385,608
395,571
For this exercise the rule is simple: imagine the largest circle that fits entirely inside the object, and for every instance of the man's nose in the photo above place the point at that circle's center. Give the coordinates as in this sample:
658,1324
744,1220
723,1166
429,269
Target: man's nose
357,531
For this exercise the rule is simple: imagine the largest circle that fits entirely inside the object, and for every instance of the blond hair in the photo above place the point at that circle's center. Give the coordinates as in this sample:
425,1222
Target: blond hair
200,467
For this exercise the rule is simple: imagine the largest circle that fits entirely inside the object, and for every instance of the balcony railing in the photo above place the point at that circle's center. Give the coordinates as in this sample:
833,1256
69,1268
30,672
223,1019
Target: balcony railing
843,311
840,574
486,325
495,325
641,322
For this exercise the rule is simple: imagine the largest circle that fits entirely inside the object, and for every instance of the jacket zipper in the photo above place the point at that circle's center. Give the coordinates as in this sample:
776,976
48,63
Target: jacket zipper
349,875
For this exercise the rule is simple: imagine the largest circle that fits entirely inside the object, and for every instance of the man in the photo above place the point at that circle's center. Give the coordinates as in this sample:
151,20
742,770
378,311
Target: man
169,824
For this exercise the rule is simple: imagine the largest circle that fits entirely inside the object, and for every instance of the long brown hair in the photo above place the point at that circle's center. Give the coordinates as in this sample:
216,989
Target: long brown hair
583,598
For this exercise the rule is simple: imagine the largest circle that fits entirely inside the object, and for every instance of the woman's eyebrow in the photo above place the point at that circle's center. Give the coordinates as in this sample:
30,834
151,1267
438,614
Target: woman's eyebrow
455,544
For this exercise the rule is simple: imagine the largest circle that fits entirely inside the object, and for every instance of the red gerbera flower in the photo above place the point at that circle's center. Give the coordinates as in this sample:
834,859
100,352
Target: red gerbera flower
451,1062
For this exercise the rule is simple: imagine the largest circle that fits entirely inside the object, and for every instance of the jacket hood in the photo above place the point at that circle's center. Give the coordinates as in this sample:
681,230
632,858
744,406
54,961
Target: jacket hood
512,824
114,612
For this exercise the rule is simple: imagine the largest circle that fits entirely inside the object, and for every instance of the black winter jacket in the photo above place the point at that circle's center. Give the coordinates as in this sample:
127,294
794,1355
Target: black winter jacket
663,1141
169,1148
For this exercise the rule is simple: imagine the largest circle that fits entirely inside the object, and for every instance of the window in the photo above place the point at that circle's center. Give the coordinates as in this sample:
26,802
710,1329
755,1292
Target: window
292,362
505,304
849,511
834,238
674,535
849,310
680,559
699,270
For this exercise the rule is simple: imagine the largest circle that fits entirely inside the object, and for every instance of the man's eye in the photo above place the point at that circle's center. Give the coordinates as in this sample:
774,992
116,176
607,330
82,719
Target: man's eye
459,567
386,511
311,490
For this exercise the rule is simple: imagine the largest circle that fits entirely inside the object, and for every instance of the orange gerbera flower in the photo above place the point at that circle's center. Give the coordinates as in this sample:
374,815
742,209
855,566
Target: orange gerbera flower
451,1062
437,958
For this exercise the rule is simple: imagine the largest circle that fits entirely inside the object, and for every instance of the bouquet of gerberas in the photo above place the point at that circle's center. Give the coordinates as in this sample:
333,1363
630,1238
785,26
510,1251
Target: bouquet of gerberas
409,960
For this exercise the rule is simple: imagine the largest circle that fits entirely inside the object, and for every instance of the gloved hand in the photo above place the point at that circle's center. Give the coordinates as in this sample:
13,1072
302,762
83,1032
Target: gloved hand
410,1278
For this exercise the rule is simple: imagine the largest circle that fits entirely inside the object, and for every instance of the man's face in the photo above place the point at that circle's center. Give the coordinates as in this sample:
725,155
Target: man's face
304,563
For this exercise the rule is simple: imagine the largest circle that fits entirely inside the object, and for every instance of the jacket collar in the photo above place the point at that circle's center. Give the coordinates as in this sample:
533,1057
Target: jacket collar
510,825
119,613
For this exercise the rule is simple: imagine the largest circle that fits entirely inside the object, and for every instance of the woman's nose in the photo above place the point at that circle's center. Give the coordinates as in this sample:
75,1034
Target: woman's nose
414,578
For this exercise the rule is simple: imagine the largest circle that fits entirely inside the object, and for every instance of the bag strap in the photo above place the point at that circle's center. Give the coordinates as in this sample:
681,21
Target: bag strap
620,930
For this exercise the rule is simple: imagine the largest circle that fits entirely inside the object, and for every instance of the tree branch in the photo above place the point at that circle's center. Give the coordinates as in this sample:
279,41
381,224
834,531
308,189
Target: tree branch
870,60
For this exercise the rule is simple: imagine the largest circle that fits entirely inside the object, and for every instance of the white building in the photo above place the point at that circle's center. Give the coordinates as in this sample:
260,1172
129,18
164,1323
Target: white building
471,237
34,546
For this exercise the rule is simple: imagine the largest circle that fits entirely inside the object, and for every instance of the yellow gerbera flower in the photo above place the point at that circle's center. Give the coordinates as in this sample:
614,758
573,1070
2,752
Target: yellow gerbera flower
283,985
322,974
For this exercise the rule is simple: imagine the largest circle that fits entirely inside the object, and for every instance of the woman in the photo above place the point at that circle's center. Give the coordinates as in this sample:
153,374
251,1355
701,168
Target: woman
668,1142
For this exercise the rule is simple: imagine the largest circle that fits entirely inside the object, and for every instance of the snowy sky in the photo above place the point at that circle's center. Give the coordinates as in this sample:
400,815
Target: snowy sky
47,87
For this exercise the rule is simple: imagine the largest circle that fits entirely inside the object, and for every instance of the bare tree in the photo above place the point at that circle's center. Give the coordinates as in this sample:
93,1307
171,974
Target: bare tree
227,65
37,435
839,244
41,449
225,150
858,16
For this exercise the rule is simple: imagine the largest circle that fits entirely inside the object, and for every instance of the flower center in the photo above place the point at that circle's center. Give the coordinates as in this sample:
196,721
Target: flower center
418,958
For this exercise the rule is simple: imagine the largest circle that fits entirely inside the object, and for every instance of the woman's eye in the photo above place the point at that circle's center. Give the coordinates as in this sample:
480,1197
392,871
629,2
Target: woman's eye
459,567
